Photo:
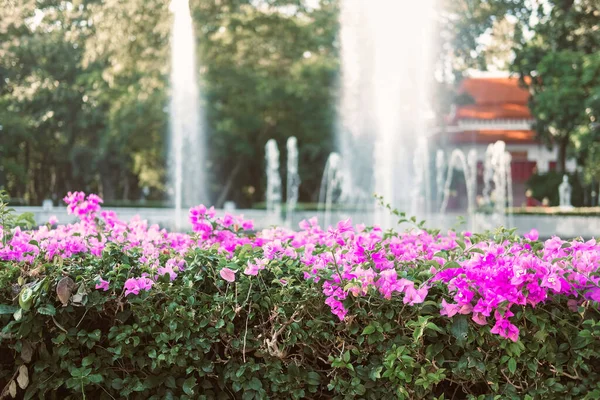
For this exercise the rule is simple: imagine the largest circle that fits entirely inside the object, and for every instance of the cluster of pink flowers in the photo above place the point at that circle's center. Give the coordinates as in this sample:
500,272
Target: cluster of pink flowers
484,279
135,285
81,205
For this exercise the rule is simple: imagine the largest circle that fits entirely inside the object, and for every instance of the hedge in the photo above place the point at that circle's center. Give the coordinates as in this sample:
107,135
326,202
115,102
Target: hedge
104,309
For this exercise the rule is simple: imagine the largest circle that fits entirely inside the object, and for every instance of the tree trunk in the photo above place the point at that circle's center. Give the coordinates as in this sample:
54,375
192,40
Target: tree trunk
223,196
108,187
562,154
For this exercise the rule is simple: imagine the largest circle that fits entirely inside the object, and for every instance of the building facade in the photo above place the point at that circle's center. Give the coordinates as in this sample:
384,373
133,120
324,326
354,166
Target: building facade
498,110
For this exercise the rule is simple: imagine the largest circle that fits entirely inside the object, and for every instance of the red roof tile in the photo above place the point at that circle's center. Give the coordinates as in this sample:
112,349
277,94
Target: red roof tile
495,98
491,136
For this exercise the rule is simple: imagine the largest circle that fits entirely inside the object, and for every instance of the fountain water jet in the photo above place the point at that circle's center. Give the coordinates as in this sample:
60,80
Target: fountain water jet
187,139
293,179
386,70
468,165
273,194
497,183
331,186
439,177
421,194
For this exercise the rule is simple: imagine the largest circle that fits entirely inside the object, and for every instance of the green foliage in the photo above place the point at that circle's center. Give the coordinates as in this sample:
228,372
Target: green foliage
270,74
9,219
83,94
546,185
271,336
560,66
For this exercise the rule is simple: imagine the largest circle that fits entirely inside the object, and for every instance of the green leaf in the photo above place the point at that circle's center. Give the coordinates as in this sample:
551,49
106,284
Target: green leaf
95,378
585,333
376,373
313,378
346,356
170,382
188,385
369,329
432,326
512,365
47,309
26,298
476,250
89,360
418,332
451,264
255,384
7,309
59,339
460,328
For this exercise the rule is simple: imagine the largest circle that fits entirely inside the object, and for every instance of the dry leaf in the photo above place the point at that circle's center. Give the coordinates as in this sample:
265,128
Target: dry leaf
12,389
23,377
16,289
35,272
26,351
64,289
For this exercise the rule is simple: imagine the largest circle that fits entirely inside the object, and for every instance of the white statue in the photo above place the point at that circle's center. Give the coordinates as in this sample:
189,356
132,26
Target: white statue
564,193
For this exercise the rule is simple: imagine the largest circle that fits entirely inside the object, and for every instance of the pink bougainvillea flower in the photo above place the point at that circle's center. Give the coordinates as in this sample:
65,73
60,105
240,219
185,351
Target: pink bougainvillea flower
102,284
505,329
252,269
551,281
248,225
414,296
227,220
228,274
131,286
479,318
135,285
592,294
53,220
167,269
449,309
533,235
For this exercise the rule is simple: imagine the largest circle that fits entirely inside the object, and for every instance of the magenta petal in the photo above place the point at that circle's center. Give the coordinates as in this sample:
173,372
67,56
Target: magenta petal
227,274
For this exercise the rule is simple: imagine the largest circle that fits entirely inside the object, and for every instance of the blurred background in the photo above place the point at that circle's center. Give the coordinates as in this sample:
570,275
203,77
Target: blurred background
84,94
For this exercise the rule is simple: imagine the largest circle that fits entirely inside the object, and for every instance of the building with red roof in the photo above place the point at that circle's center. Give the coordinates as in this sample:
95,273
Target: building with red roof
498,110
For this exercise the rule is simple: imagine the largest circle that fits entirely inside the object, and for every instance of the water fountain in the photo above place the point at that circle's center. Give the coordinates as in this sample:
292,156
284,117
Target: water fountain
439,176
421,193
468,166
293,180
187,141
331,187
488,175
497,184
385,75
273,193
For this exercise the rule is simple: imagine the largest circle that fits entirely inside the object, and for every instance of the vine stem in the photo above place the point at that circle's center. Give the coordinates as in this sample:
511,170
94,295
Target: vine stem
337,268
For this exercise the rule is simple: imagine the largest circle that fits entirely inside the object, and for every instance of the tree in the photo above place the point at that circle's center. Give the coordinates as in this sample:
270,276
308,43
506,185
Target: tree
84,93
47,141
559,66
269,72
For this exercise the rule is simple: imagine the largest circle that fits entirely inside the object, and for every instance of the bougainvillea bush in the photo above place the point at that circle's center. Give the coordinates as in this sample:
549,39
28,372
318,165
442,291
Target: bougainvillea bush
107,309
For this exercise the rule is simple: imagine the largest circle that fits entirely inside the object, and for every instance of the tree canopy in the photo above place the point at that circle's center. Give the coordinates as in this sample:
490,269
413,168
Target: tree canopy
84,93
